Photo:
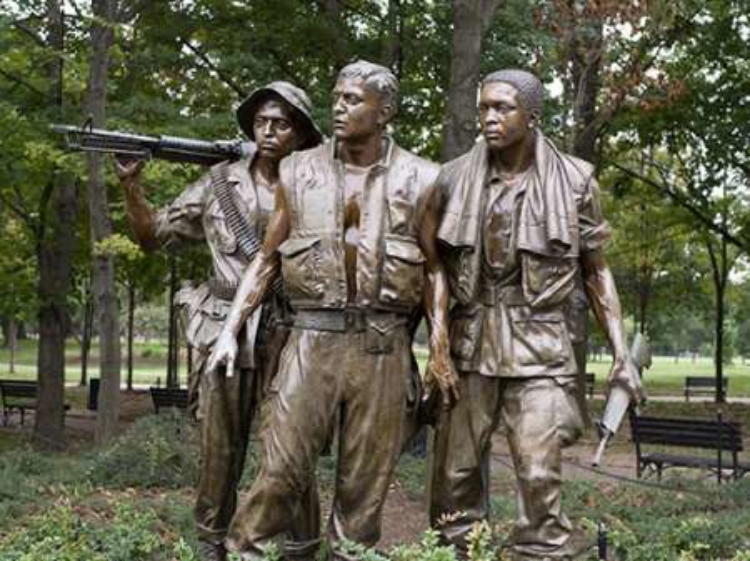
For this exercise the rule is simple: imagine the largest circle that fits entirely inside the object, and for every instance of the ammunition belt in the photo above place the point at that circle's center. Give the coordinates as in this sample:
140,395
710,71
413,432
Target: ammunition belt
222,289
244,232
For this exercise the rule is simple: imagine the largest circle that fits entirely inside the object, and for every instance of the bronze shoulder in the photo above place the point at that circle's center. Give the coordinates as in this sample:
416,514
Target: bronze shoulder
426,171
580,171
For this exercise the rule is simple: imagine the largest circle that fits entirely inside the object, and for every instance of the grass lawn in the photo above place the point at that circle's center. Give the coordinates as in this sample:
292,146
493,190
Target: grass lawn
666,377
150,363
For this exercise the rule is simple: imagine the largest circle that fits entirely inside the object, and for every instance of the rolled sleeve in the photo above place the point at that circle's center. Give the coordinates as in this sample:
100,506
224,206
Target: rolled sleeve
595,231
182,220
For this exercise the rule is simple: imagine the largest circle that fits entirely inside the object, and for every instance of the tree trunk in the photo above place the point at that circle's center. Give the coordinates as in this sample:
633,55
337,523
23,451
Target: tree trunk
719,349
11,342
55,253
131,323
55,241
581,43
332,13
105,294
720,270
393,53
172,337
471,20
86,332
6,326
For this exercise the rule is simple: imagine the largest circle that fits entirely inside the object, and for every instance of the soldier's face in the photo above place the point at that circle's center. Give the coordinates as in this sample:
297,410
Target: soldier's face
358,110
274,132
503,119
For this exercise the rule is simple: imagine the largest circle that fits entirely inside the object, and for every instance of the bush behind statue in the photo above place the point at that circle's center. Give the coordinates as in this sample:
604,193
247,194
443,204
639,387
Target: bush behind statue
157,451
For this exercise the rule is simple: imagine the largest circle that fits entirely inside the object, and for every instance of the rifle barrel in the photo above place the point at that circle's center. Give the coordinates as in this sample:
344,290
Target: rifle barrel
170,148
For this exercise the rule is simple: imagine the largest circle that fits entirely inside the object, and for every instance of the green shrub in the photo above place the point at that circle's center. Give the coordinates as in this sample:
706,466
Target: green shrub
62,534
29,478
157,451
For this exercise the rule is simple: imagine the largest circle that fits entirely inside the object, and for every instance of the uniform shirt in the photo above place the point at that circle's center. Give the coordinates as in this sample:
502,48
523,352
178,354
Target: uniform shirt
513,340
197,216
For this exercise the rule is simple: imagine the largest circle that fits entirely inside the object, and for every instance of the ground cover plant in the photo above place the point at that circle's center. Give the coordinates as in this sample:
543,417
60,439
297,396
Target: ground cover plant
133,501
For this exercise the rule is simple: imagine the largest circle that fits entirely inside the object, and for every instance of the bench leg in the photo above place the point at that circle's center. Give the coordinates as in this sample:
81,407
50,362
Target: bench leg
23,415
658,472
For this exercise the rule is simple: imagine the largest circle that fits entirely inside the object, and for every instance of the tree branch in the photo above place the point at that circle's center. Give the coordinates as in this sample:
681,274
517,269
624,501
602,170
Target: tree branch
18,211
213,67
685,203
22,82
21,26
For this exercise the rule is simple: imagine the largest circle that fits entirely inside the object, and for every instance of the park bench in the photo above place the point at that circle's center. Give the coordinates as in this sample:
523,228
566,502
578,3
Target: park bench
590,380
719,435
702,385
169,397
19,395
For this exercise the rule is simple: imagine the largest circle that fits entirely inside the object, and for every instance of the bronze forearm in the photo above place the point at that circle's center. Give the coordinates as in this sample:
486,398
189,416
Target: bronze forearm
602,293
140,215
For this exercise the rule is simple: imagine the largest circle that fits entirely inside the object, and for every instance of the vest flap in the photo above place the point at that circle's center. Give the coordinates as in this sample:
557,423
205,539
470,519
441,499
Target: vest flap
293,246
405,249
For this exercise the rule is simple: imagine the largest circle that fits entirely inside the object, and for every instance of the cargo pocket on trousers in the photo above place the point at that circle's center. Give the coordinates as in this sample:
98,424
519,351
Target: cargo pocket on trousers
300,267
402,281
568,416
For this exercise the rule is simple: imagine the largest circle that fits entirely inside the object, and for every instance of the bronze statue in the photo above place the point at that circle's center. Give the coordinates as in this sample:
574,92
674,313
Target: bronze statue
228,209
353,236
520,220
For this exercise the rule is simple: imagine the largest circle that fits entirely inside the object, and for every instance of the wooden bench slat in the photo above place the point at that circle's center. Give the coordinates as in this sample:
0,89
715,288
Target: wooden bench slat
169,397
724,437
20,395
703,385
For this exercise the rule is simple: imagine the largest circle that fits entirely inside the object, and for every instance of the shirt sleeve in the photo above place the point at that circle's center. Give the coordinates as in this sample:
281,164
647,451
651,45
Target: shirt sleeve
595,231
181,220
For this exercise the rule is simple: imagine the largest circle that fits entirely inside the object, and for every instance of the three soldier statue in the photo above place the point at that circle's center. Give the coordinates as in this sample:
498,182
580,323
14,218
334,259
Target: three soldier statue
325,254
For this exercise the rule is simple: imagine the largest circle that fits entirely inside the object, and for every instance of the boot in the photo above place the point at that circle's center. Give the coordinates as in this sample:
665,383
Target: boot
210,551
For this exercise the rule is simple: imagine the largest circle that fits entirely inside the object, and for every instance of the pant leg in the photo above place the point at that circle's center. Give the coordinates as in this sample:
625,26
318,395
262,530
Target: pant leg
304,535
541,417
459,490
370,438
300,408
226,414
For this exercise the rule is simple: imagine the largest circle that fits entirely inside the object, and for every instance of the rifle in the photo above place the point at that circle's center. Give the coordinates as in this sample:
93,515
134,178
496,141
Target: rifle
171,148
619,399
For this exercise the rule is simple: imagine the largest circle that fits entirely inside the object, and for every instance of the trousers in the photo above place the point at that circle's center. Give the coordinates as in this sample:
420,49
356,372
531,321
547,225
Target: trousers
326,377
541,417
227,408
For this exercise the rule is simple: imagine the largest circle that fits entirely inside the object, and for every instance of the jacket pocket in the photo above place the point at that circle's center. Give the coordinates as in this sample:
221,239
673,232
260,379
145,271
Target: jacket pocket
465,331
539,338
202,316
300,267
402,281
